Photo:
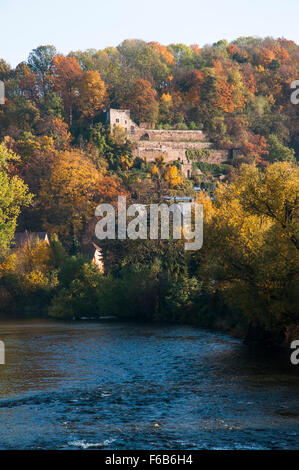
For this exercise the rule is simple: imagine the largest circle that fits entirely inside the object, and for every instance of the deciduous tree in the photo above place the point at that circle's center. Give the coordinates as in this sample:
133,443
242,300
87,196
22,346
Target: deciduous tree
66,73
93,95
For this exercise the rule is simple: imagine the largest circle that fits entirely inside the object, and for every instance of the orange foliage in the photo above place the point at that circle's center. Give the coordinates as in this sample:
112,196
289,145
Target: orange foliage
65,73
142,101
163,51
249,81
60,133
229,94
92,94
255,146
193,83
266,56
72,191
195,48
232,49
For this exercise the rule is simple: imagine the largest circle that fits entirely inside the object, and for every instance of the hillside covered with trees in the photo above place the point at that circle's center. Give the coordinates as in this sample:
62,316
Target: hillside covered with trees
59,160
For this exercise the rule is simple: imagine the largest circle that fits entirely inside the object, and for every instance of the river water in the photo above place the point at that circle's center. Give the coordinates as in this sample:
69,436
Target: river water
119,385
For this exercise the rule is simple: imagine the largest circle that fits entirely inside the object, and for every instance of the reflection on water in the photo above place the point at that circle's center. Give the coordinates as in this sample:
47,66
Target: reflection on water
118,385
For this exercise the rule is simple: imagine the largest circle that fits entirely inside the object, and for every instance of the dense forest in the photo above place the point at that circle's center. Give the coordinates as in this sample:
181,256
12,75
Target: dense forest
59,159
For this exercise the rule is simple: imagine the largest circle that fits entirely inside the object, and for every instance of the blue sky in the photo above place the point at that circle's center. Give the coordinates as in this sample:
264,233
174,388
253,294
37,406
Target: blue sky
73,24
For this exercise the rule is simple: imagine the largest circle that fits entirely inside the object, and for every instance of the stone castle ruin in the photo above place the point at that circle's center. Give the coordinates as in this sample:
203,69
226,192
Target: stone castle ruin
174,144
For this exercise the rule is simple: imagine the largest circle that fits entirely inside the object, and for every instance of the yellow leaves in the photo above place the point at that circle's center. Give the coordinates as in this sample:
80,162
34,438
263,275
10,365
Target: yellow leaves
93,94
6,154
74,188
155,170
166,98
273,193
34,280
73,174
172,176
70,190
158,167
259,68
9,264
27,145
252,240
29,266
163,172
38,256
208,208
126,162
46,143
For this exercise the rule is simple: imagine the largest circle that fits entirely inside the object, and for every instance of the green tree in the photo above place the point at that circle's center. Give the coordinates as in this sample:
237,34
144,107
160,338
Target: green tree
14,195
39,61
279,152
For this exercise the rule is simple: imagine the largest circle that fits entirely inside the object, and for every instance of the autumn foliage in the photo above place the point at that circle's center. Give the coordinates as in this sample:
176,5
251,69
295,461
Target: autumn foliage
59,159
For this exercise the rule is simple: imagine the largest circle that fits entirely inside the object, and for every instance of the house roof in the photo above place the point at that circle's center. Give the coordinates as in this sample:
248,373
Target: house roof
21,238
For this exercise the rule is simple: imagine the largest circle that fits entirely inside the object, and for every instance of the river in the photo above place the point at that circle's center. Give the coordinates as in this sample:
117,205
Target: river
121,385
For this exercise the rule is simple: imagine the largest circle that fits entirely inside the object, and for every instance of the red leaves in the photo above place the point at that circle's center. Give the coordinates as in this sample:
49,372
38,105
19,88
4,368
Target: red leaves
256,146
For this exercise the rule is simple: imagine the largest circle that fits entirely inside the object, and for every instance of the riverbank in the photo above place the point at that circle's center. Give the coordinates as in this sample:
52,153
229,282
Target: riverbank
250,335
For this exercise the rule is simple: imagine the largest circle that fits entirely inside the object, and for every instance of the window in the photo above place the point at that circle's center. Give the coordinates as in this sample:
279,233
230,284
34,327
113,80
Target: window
117,120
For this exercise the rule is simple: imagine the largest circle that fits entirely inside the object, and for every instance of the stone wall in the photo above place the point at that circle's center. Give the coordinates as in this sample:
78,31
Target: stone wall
178,151
149,143
173,145
168,135
218,156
